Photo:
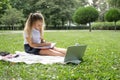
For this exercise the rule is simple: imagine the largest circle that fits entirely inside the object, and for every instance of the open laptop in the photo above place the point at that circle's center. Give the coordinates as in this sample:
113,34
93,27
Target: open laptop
74,54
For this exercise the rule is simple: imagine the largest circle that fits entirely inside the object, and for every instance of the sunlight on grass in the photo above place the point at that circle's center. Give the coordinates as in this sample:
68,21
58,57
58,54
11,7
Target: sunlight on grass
101,60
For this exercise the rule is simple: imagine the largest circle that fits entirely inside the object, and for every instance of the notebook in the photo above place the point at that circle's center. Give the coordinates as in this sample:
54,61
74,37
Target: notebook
46,47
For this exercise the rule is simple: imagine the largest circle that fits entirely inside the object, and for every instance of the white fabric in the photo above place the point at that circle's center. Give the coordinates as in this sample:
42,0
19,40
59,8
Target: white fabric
30,58
35,36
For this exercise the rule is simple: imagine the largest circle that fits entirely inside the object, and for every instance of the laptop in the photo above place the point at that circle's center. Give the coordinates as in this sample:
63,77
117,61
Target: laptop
74,54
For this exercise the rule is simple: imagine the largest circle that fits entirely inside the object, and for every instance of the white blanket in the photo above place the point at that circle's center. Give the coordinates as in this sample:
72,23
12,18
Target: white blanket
30,58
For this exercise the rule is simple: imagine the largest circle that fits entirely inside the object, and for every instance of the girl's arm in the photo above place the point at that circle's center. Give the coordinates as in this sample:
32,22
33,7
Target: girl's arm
30,42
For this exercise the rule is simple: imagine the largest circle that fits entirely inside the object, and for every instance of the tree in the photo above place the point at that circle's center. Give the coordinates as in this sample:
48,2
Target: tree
56,11
82,3
11,17
27,6
84,15
101,5
112,15
4,4
114,3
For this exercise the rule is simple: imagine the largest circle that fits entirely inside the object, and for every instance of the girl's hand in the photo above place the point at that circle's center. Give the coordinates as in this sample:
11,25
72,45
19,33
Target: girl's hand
42,41
48,44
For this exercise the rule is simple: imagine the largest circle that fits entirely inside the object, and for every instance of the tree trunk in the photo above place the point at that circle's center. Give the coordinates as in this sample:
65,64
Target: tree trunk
68,26
55,25
12,26
62,22
46,25
90,29
115,25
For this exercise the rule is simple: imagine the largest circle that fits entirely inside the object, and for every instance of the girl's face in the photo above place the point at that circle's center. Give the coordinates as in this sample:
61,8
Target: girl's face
38,24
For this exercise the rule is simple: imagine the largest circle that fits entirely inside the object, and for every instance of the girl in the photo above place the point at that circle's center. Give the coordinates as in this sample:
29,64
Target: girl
33,37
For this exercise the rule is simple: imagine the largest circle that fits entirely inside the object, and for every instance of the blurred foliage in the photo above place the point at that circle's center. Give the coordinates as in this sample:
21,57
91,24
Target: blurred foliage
56,12
84,15
4,4
11,17
113,15
114,3
105,25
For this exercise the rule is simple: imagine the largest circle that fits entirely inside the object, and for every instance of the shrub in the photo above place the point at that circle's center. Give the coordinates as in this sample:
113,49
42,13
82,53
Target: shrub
112,15
105,25
84,15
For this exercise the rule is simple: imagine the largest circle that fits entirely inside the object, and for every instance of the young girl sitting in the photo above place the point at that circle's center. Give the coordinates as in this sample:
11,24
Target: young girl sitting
33,37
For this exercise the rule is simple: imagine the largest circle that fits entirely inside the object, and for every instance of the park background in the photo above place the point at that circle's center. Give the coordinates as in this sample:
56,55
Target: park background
100,17
58,14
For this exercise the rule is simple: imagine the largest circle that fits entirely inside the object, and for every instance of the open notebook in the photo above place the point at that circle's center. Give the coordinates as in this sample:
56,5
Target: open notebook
46,47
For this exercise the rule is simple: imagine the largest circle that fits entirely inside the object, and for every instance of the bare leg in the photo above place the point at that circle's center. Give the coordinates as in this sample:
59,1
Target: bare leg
51,52
62,50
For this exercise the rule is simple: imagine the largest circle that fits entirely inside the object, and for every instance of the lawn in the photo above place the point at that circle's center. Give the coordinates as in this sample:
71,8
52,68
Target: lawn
101,60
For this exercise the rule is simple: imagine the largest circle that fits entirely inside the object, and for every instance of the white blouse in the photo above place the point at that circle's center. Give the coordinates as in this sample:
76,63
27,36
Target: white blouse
35,36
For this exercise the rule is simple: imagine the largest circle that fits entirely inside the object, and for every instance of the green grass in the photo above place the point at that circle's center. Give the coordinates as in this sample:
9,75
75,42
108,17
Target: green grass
101,60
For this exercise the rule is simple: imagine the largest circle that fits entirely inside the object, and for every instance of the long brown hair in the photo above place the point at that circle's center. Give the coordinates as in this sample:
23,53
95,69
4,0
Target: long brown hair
33,17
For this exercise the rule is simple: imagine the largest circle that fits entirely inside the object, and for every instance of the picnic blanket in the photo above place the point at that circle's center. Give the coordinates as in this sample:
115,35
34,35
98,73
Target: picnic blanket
31,59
